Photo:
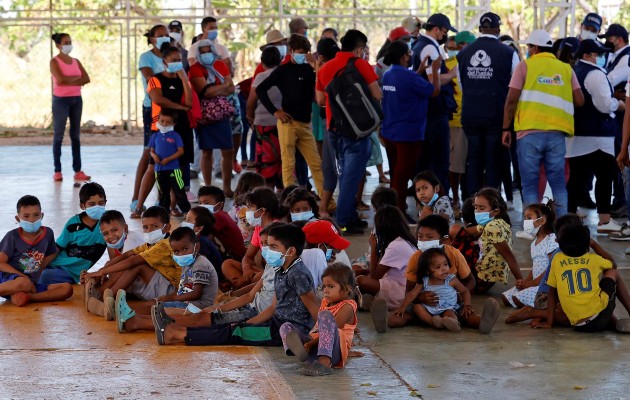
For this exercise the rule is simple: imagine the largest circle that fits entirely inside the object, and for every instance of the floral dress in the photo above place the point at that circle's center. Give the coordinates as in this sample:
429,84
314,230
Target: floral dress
491,266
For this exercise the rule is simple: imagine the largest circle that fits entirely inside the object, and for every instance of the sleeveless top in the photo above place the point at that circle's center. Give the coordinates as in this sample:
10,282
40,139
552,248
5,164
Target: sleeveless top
346,334
446,293
71,69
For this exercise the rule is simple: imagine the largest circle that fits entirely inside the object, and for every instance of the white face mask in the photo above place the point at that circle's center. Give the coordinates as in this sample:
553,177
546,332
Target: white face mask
66,48
528,226
584,34
176,36
283,50
429,244
154,236
164,129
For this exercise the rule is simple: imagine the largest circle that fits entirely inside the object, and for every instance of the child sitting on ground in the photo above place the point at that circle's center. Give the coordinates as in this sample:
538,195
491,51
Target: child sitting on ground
200,220
431,198
197,288
330,340
538,222
294,302
302,205
496,238
225,230
167,148
24,254
81,243
246,183
465,238
117,235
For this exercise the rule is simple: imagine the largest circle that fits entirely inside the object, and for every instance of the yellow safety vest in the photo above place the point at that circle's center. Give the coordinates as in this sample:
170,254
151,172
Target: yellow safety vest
546,102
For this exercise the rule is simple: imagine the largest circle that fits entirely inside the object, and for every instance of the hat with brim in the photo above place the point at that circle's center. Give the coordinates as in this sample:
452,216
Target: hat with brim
465,37
441,21
590,46
399,33
272,37
540,38
615,30
324,232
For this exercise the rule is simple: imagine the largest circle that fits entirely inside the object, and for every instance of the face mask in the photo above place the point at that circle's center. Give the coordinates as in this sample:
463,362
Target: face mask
186,224
193,309
174,67
212,35
443,40
120,243
66,48
283,50
95,212
207,59
154,236
483,218
176,36
210,207
452,53
527,54
164,129
251,219
329,253
528,226
159,42
429,244
302,216
274,258
432,201
600,61
299,58
305,33
185,260
610,46
31,227
584,35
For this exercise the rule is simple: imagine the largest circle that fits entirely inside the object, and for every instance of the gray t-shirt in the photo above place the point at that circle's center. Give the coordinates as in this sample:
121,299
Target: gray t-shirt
203,273
262,116
264,298
289,286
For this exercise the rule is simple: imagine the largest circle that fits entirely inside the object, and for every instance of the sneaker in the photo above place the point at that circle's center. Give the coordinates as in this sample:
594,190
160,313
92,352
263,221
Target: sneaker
622,234
609,227
378,309
525,235
192,198
57,177
510,205
237,167
80,176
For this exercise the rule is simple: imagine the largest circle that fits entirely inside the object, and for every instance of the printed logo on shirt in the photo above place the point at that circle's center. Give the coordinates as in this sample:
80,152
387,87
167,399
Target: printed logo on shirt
389,88
555,80
31,261
170,140
172,87
480,66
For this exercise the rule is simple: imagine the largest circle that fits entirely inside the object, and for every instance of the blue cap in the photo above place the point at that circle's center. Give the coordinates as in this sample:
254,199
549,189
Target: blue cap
572,42
441,21
590,46
594,20
489,20
615,30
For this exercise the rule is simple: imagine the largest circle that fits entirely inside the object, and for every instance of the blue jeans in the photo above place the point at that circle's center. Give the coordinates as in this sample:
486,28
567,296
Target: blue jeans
62,109
52,275
437,149
352,157
545,148
484,148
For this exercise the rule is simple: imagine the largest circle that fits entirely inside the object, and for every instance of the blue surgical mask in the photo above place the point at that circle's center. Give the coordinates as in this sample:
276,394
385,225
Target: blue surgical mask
120,243
601,61
302,216
432,201
409,45
429,244
185,260
154,236
159,42
306,33
452,53
207,59
212,35
209,207
31,227
483,218
299,58
251,219
329,253
186,224
283,50
95,212
174,67
274,258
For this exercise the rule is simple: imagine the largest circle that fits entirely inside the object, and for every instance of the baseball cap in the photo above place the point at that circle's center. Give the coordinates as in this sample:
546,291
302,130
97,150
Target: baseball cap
442,21
297,23
571,42
615,30
591,46
399,33
323,231
465,37
594,20
411,23
489,20
175,24
540,38
272,37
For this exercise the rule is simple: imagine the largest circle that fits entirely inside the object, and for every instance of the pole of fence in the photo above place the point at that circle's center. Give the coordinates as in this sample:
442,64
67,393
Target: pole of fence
128,18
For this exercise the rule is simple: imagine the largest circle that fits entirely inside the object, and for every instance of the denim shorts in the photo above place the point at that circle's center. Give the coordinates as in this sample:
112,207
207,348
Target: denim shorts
6,277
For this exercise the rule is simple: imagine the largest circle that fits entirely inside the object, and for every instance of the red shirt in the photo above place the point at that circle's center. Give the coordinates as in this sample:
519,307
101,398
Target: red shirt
260,68
197,71
330,69
228,233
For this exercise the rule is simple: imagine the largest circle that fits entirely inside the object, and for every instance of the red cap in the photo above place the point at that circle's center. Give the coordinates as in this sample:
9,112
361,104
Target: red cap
323,231
399,33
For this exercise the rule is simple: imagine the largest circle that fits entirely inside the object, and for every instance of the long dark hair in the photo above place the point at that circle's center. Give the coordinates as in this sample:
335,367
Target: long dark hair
496,203
390,224
395,52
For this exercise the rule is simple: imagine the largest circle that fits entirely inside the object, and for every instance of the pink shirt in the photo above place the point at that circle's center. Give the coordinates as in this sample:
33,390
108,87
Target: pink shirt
396,257
71,69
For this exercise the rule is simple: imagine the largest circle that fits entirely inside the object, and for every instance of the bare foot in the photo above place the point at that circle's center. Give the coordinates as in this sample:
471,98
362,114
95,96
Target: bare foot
523,314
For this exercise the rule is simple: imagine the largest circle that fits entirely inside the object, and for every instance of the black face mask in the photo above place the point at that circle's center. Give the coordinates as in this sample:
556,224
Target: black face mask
443,40
610,45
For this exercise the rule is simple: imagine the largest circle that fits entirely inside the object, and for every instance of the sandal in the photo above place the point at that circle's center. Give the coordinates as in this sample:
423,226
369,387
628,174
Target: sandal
295,345
109,311
90,291
136,214
316,369
122,311
384,179
176,214
160,325
361,206
161,311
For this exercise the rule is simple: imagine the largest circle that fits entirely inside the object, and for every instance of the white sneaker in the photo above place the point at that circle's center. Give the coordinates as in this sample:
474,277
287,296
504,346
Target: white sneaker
525,235
609,227
510,205
192,198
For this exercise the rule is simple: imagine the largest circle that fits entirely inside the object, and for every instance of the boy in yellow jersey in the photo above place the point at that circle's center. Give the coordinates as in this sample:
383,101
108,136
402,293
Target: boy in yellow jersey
574,280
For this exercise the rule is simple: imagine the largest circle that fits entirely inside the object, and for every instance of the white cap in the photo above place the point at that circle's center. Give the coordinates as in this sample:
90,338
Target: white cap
540,38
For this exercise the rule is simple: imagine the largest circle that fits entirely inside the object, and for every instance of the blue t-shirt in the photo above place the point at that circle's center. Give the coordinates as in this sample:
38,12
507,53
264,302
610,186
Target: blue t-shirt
80,247
149,59
289,285
405,104
542,286
27,257
165,145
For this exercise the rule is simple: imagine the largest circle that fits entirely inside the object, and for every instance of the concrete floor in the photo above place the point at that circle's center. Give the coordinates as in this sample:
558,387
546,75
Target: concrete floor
60,351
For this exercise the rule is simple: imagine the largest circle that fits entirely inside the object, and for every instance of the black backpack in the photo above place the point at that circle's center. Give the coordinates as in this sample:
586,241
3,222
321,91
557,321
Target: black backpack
355,114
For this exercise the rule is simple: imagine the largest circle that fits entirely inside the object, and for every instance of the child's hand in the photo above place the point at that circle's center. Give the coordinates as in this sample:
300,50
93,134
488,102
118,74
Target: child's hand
467,311
399,312
520,284
157,159
426,210
372,240
209,310
429,298
311,343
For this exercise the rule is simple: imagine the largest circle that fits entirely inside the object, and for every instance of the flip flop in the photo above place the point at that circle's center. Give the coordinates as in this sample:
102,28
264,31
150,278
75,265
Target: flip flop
160,325
379,312
489,315
294,343
122,310
316,369
161,311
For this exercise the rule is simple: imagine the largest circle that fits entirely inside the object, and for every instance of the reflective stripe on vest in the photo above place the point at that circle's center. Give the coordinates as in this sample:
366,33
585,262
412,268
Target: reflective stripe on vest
546,102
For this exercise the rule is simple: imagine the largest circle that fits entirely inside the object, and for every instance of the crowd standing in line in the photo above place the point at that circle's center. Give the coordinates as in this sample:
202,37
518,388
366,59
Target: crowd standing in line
453,113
